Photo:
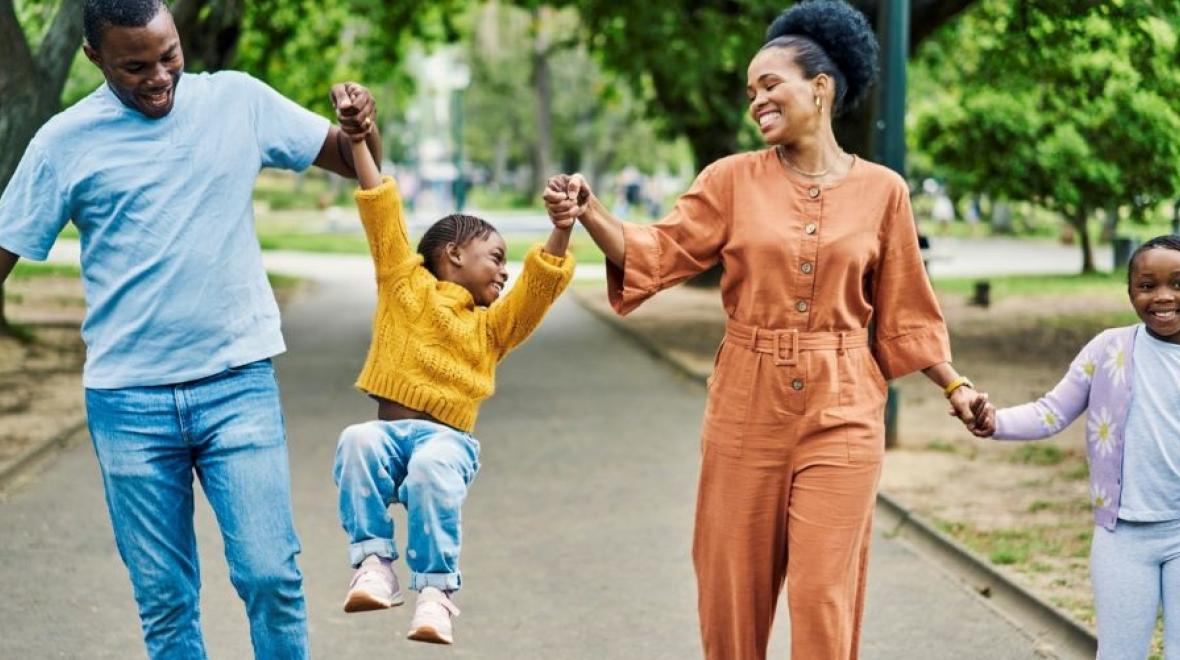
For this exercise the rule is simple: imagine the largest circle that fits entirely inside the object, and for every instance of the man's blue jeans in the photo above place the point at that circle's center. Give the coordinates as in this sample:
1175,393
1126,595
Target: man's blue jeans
229,429
427,467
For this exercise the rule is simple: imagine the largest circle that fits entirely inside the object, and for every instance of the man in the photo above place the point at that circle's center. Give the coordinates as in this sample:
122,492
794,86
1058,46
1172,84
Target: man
156,169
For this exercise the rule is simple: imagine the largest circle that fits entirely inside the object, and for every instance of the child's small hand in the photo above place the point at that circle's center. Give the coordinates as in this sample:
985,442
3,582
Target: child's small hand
970,407
356,112
985,421
565,199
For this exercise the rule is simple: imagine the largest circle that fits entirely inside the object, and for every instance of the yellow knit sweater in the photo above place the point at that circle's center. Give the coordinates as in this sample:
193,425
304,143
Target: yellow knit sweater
433,350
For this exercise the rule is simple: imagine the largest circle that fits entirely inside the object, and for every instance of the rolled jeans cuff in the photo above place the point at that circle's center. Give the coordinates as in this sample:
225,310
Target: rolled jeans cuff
441,581
380,547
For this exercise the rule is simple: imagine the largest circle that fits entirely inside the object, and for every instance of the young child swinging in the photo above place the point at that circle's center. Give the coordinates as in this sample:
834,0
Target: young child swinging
439,330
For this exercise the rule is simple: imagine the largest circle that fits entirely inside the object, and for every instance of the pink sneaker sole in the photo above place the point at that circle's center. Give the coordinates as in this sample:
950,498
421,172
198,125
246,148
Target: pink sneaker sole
363,601
428,634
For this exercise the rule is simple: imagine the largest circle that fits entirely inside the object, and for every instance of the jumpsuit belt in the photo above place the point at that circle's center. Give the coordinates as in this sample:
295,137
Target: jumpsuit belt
785,345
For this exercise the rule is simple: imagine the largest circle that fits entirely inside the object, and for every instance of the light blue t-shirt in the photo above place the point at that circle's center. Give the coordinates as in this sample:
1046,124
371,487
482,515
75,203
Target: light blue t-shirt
175,288
1151,457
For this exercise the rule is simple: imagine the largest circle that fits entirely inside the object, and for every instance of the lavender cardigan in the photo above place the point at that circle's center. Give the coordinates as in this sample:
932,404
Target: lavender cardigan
1099,379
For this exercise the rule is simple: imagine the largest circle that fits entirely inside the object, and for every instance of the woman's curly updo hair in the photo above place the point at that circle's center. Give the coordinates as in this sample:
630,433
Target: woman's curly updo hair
455,228
832,37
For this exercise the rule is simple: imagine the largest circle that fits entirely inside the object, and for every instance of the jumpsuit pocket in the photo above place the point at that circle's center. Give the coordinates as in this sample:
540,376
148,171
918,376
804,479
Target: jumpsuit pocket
728,405
862,406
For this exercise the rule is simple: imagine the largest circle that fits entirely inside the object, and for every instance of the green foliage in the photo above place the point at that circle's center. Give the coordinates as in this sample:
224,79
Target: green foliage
686,59
600,128
301,47
1072,108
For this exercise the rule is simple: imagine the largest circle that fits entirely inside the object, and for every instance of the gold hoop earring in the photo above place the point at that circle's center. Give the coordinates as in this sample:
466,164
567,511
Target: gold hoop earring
819,105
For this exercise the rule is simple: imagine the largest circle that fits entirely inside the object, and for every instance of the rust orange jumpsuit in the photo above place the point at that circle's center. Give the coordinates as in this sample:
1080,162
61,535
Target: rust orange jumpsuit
793,434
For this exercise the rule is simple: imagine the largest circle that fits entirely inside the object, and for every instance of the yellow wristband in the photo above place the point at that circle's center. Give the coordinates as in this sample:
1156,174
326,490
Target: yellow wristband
956,384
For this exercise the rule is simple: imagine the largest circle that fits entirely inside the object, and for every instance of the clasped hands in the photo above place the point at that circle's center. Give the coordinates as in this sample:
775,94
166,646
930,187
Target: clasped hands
974,410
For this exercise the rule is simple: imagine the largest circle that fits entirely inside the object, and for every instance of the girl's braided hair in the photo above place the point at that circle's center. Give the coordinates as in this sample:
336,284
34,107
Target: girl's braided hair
1166,242
455,228
832,37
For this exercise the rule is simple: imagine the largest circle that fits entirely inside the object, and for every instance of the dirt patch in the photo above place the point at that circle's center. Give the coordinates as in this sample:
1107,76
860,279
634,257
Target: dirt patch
41,366
1023,506
41,394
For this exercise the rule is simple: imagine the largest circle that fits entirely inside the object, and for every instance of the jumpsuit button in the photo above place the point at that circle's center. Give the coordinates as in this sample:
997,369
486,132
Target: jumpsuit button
797,384
810,228
801,305
813,192
806,267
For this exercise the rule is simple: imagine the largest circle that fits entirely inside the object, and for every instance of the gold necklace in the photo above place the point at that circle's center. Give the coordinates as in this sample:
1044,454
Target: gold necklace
782,154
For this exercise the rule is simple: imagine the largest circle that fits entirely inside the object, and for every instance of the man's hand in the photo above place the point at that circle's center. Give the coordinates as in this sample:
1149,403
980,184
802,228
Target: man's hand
566,198
356,112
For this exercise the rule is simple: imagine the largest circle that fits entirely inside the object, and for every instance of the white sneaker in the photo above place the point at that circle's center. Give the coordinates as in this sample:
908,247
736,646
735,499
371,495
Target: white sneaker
432,618
374,587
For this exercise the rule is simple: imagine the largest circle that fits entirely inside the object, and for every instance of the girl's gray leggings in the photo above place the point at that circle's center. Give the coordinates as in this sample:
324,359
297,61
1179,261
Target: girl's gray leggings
1135,569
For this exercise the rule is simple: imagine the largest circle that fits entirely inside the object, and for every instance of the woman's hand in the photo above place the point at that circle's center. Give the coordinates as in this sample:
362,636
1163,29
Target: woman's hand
566,198
972,408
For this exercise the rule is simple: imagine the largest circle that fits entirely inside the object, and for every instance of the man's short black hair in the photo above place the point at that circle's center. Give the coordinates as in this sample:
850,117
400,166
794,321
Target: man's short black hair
98,14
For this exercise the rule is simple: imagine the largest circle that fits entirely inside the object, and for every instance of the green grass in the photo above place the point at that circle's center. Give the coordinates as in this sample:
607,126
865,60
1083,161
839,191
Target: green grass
1020,547
330,243
583,248
282,281
1112,284
1037,453
26,270
943,446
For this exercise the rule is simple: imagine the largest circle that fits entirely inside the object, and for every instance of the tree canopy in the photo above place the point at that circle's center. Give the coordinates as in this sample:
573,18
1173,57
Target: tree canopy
1066,106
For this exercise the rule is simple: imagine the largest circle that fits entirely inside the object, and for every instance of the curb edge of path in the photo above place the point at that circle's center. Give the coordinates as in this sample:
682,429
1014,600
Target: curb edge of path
1056,633
22,464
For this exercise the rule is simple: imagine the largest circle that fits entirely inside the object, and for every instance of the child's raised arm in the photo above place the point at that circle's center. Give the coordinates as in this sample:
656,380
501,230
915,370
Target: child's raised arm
368,174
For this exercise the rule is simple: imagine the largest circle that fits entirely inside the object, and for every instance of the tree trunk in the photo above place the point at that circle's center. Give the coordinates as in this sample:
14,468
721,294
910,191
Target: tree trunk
31,85
854,131
543,98
209,31
1080,224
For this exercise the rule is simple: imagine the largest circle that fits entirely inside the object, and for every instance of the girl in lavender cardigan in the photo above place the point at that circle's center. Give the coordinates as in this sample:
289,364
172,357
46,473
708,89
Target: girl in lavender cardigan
1129,379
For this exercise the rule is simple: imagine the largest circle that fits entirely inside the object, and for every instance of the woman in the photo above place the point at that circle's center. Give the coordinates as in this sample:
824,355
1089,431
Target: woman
816,244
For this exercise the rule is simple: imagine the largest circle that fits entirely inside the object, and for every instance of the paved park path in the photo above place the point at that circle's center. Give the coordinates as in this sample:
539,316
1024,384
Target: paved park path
576,534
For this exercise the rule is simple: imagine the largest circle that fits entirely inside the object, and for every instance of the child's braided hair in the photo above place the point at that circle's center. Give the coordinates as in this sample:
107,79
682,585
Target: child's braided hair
455,228
832,37
1166,242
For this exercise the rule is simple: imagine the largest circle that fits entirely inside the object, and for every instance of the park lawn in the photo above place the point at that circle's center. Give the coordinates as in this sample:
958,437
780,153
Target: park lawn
27,270
582,247
1095,284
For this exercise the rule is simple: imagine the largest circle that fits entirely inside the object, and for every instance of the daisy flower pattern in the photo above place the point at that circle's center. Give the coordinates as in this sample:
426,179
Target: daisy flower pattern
1116,364
1099,497
1049,419
1087,367
1102,431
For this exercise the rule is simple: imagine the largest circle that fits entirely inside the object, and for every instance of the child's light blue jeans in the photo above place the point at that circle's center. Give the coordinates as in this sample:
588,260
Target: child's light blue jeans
1135,569
425,466
229,430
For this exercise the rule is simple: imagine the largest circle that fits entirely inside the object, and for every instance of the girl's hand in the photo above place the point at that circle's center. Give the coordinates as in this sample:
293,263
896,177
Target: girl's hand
566,198
985,421
968,405
356,112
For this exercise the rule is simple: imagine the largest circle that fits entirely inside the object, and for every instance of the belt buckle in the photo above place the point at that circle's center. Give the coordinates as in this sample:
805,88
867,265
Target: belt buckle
779,360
